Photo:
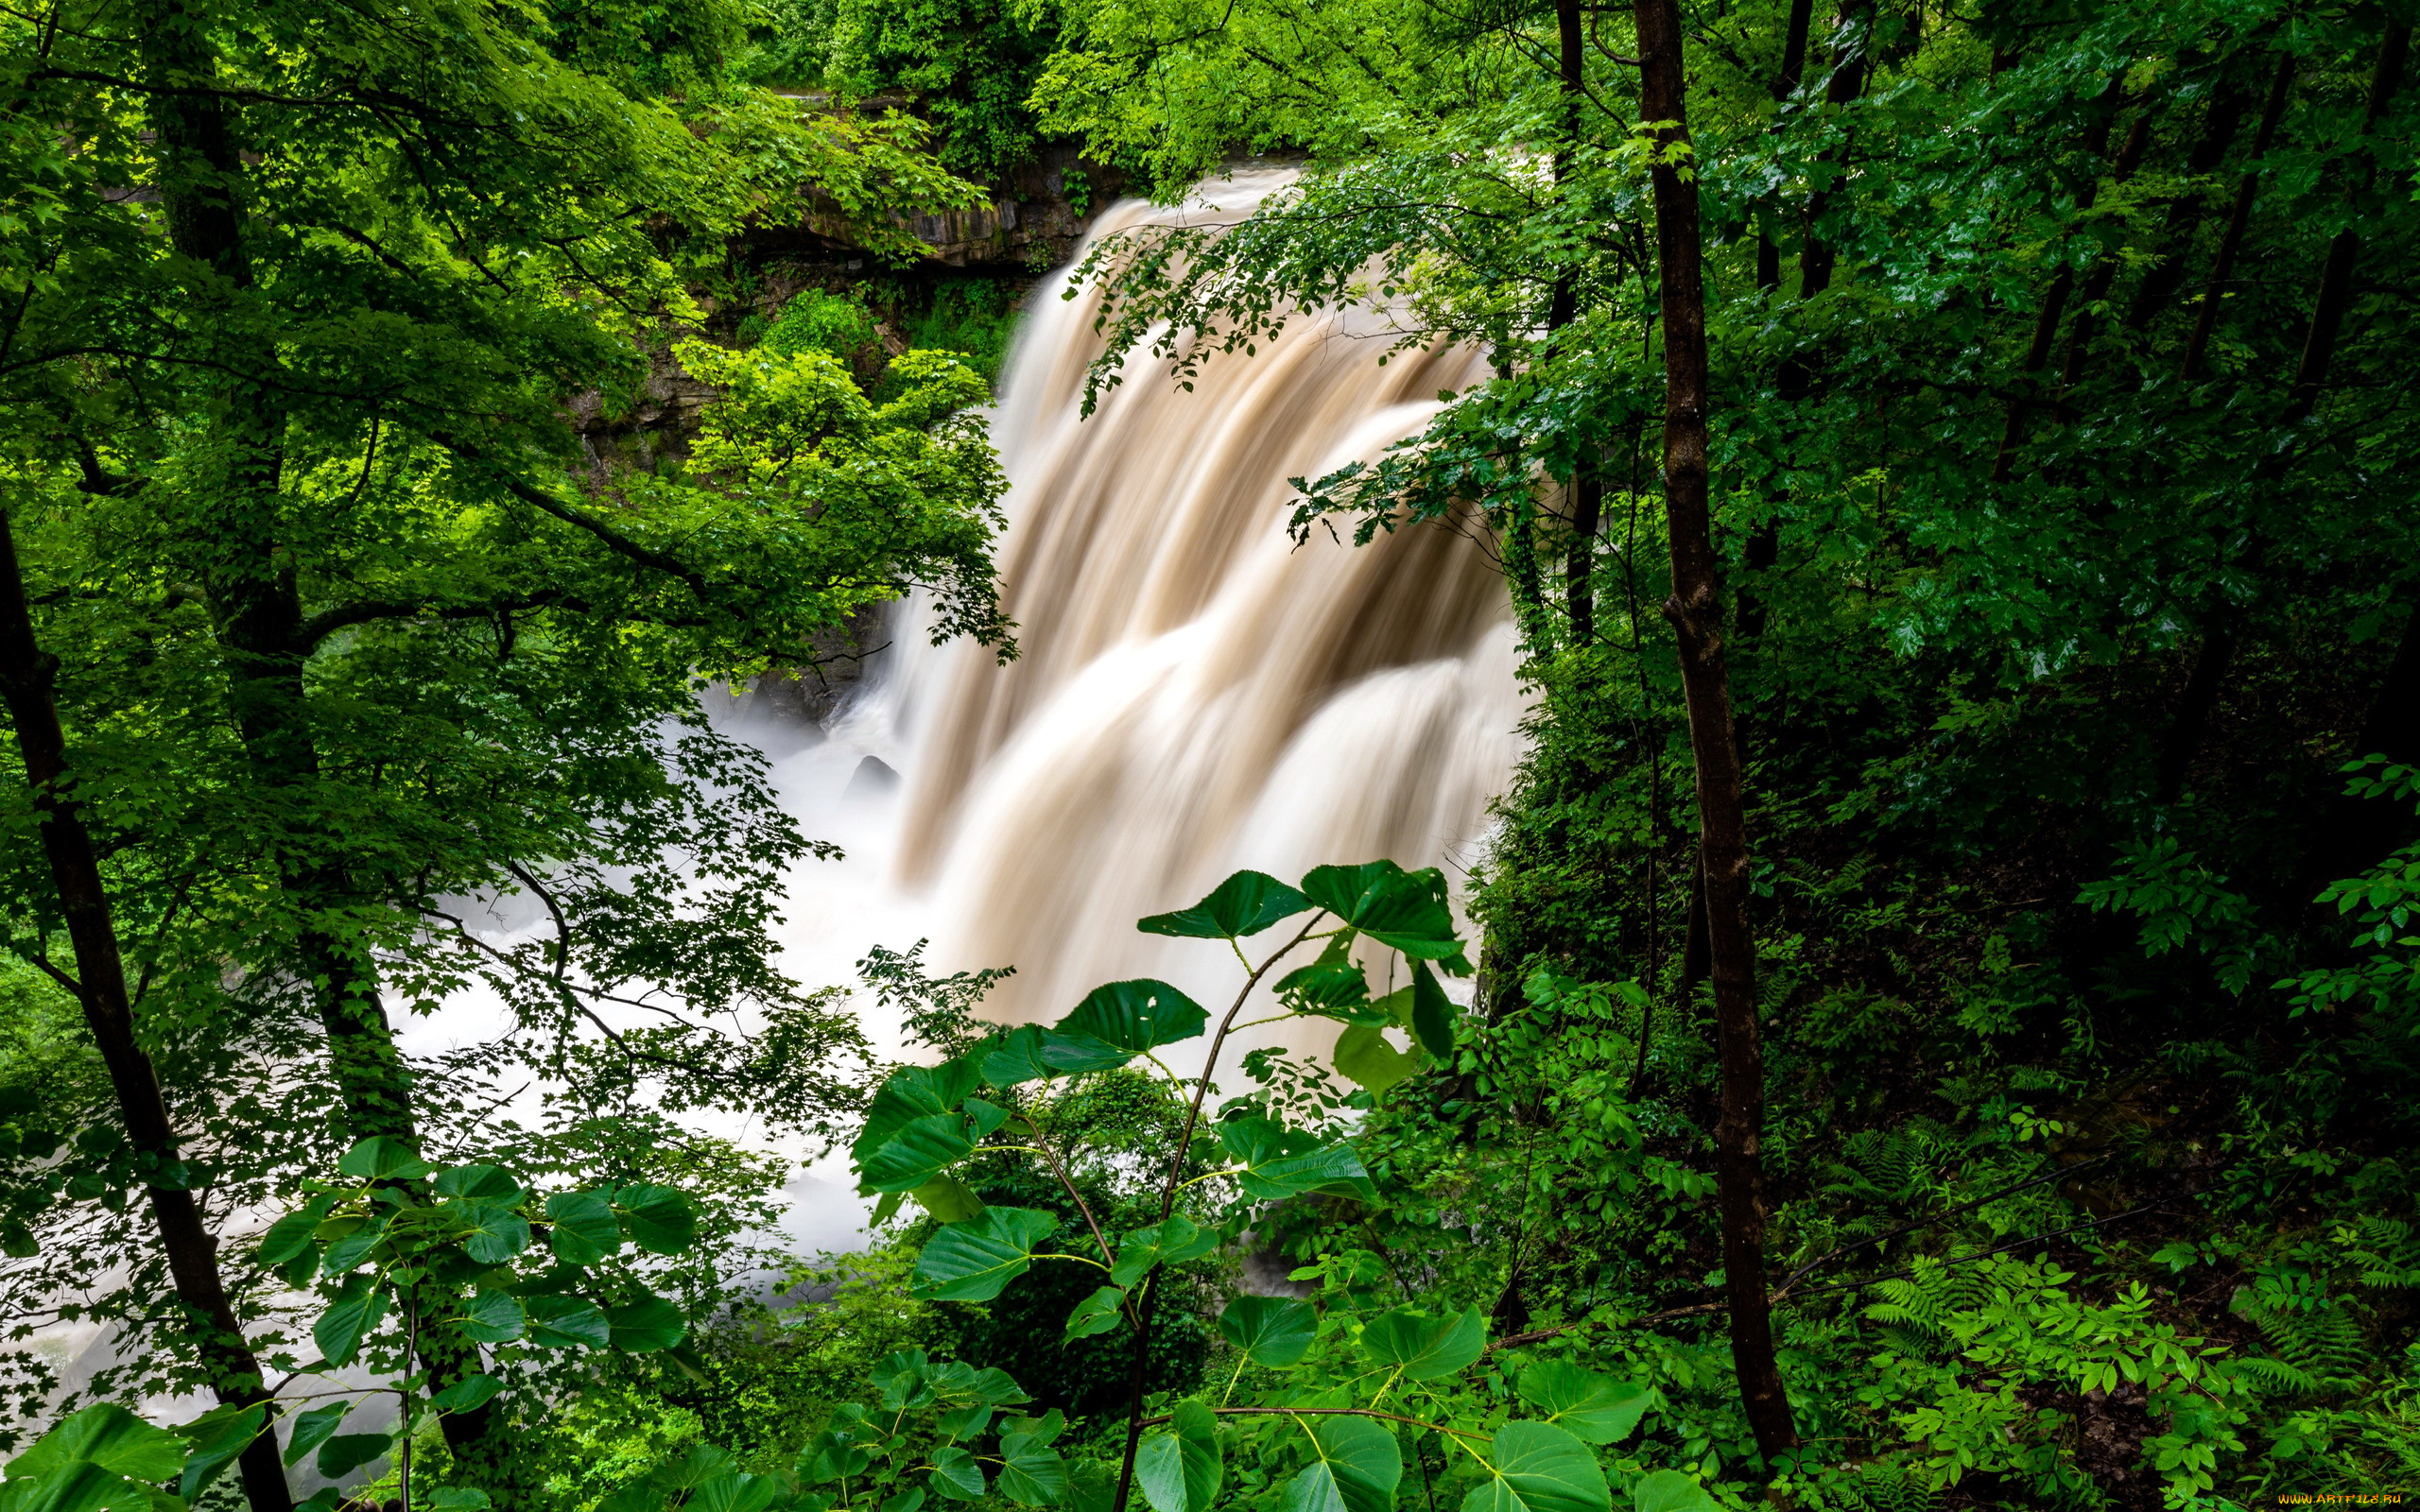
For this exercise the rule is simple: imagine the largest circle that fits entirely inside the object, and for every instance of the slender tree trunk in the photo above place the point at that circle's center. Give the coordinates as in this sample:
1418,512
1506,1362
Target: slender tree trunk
1695,610
2105,268
1784,85
249,579
2219,124
2231,240
1587,491
2054,299
191,1252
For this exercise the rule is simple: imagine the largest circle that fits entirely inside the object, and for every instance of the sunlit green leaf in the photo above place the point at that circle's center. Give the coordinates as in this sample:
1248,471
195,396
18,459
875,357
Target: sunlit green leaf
567,1323
1135,1016
1242,905
1420,1347
1539,1468
1596,1408
1355,1467
382,1158
584,1230
1276,1331
971,1261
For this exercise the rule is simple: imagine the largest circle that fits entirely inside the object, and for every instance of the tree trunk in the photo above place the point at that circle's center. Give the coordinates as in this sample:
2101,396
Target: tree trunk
1695,608
250,581
192,1253
1587,491
2231,239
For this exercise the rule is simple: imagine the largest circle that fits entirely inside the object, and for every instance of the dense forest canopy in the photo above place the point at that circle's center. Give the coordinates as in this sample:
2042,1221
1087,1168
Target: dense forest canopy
1940,1008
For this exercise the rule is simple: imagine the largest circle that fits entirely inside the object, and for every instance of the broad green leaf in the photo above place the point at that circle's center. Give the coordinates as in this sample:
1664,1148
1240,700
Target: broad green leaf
1171,1242
1432,1013
830,1457
1045,1429
996,1387
1180,1470
218,1439
1335,984
906,1500
1420,1347
108,1436
948,1199
910,1093
736,1493
647,1325
355,1247
469,1393
702,1463
1276,1331
357,1309
972,1262
964,1423
567,1323
77,1485
497,1234
1341,889
1242,905
662,1221
1096,1313
1032,1473
1014,1058
292,1235
1539,1468
1670,1491
1092,1485
382,1158
493,1317
481,1183
1362,1053
918,1153
1134,1016
1354,1469
347,1452
1596,1408
314,1428
1405,910
904,1378
584,1228
956,1474
1279,1162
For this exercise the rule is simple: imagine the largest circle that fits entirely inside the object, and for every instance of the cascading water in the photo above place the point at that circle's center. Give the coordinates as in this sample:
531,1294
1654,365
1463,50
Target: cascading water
1195,694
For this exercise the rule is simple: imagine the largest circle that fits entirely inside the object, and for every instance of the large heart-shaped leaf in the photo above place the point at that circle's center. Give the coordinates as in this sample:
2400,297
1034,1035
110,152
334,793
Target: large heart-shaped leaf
493,1317
1405,910
481,1183
1596,1408
110,1436
1420,1347
1279,1163
1276,1331
357,1309
1363,1054
1180,1470
1670,1491
1032,1473
1096,1313
382,1158
1135,1016
1242,905
736,1492
1335,984
347,1452
567,1323
496,1234
1171,1242
79,1486
948,1199
972,1262
1354,1468
218,1438
1033,1053
469,1393
1539,1468
919,1152
314,1428
645,1326
956,1474
584,1228
911,1093
355,1247
662,1221
292,1235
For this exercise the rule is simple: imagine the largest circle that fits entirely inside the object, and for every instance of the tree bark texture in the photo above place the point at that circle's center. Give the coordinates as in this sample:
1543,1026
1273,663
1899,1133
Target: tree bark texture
1695,610
192,1253
2247,188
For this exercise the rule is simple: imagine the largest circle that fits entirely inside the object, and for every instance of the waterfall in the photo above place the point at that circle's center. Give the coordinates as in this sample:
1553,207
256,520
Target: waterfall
1194,693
